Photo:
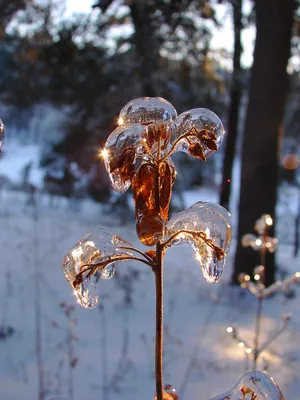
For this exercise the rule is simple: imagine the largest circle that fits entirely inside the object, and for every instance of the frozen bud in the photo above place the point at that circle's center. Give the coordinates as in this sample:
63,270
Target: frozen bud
120,152
243,278
149,228
254,385
259,273
257,244
271,244
263,223
248,239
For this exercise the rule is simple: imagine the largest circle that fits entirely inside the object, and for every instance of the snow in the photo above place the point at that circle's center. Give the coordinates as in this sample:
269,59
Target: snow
114,343
15,157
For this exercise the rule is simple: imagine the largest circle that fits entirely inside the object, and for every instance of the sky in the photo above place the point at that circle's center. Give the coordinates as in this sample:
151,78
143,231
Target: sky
222,37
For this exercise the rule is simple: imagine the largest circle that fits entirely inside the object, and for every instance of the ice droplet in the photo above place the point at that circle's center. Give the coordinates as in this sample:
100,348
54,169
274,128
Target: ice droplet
253,385
198,132
169,393
210,219
1,134
95,248
121,149
147,110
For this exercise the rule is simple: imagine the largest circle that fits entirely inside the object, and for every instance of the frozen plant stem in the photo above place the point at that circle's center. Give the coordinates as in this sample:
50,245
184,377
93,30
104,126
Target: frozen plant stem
257,331
159,281
37,306
159,322
259,305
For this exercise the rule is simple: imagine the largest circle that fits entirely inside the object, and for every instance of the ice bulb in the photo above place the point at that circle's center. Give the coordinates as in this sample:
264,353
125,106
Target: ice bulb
121,150
214,222
198,132
99,249
253,385
147,110
248,239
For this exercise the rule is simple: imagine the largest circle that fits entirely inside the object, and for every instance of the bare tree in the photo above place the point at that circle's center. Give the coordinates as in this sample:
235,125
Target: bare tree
234,107
263,125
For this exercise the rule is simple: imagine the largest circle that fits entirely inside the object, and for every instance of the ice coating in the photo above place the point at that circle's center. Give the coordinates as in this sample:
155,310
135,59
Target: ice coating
213,221
198,132
254,385
1,133
146,110
96,247
121,149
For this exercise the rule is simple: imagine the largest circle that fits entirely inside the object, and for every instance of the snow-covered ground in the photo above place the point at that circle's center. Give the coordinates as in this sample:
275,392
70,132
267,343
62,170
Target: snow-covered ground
114,343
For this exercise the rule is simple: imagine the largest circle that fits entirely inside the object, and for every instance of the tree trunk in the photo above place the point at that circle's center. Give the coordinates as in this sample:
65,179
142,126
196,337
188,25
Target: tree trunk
146,45
234,108
263,125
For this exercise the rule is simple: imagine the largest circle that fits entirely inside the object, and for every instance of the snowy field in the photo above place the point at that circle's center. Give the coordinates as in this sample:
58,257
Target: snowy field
112,346
114,343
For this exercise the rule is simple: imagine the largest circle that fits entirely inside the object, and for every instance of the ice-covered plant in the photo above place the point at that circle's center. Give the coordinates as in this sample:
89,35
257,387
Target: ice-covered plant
261,243
138,154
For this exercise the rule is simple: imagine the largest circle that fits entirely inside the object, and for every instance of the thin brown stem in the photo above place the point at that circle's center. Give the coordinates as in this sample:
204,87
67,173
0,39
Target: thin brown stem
257,331
159,283
200,235
260,303
137,251
148,151
192,132
159,322
93,268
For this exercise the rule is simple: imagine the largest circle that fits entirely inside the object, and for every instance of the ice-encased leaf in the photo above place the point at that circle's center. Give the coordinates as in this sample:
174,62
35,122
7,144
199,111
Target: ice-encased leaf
121,150
150,216
254,385
203,220
198,132
1,133
147,110
93,259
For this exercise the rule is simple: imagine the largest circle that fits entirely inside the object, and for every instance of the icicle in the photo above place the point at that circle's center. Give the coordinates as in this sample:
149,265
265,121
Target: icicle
206,227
